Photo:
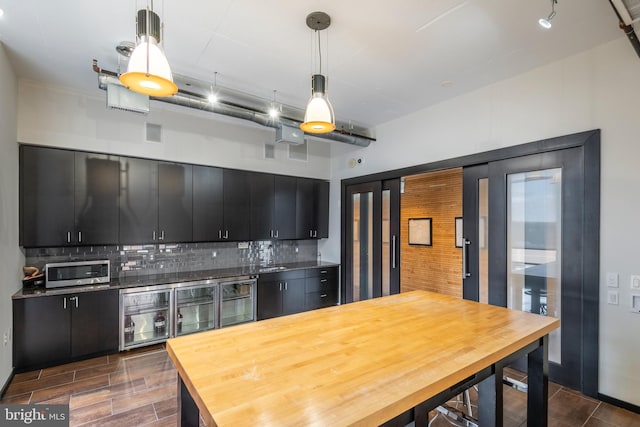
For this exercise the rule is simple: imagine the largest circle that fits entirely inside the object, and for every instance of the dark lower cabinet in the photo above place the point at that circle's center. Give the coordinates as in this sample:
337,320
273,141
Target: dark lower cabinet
50,330
295,291
280,294
321,288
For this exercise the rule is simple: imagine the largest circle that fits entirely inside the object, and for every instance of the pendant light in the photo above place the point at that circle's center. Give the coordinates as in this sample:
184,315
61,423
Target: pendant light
318,117
148,71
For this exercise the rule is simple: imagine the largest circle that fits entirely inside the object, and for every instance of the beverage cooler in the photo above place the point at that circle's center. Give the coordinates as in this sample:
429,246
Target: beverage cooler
152,314
196,308
237,301
145,316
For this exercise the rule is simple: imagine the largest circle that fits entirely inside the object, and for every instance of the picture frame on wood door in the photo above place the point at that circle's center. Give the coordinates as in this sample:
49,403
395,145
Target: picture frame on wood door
420,231
458,232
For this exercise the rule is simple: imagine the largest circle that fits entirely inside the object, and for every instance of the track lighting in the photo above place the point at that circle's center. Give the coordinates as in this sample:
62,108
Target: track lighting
546,22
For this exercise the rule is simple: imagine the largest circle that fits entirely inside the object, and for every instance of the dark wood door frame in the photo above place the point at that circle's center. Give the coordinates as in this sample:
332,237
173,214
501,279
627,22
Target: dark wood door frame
590,142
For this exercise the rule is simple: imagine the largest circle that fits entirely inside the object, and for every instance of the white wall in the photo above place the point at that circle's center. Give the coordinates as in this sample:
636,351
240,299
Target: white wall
599,88
11,258
60,117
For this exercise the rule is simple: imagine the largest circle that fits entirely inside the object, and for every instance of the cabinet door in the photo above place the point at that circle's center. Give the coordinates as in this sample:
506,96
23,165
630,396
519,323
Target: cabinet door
41,331
237,212
97,187
285,207
305,208
46,196
94,322
293,296
322,209
175,202
262,201
207,203
269,302
138,201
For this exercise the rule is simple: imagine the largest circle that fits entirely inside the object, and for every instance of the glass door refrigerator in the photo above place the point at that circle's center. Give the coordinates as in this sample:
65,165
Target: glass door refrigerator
237,301
145,316
195,307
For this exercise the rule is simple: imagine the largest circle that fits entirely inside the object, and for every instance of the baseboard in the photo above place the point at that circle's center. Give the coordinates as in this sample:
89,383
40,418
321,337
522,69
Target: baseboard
5,386
619,403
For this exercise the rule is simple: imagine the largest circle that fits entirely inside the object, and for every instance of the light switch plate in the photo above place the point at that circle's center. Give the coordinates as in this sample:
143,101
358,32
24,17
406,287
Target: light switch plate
612,297
612,280
635,303
635,282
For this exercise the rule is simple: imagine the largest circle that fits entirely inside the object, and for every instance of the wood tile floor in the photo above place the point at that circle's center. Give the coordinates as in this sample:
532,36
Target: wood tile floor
138,388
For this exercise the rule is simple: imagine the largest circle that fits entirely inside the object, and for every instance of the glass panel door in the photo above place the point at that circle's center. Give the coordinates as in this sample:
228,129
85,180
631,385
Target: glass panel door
534,241
371,240
362,245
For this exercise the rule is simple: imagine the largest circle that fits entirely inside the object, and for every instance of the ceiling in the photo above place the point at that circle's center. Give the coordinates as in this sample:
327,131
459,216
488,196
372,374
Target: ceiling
385,59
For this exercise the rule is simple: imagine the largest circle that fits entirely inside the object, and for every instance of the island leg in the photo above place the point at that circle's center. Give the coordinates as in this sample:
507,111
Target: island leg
188,411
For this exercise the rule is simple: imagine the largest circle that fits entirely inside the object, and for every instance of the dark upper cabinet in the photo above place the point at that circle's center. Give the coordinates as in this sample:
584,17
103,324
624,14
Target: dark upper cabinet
175,202
67,197
273,206
138,201
236,205
312,208
208,220
262,206
155,202
284,221
97,188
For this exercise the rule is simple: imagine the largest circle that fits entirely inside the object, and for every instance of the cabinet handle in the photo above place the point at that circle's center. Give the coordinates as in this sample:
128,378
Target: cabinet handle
162,235
153,235
323,296
280,286
315,233
323,280
270,233
285,286
277,233
68,237
74,299
79,236
323,271
310,233
64,303
219,234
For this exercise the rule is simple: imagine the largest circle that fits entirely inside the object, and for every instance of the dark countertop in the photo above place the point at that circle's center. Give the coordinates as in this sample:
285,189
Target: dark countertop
177,277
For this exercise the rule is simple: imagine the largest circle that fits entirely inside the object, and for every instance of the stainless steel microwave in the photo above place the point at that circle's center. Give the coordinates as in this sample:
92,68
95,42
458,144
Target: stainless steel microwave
76,273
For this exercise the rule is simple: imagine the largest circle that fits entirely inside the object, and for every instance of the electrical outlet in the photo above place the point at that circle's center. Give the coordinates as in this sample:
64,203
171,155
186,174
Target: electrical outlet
635,282
612,297
612,280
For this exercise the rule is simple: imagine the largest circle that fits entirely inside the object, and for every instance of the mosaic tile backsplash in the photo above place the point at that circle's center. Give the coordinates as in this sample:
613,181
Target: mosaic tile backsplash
137,260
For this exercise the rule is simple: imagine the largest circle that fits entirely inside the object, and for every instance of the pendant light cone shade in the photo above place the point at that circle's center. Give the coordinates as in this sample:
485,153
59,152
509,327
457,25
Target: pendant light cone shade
148,71
318,117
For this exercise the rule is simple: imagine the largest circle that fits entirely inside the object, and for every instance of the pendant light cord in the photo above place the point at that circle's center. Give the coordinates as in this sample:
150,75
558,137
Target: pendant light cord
319,50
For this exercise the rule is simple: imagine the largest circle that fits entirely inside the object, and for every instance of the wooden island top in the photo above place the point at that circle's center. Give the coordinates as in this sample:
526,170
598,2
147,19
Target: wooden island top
355,364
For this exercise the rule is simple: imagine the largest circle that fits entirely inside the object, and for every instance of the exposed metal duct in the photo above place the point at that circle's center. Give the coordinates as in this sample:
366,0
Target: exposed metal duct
243,106
628,12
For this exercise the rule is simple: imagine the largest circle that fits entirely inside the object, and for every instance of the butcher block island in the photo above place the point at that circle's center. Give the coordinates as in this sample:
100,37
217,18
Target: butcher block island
363,363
